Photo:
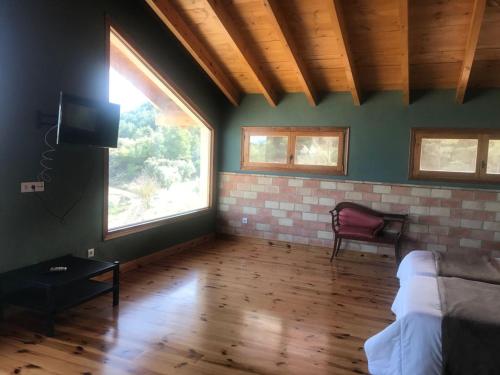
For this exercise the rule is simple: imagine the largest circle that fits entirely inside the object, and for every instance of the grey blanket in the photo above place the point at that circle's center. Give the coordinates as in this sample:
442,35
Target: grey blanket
470,326
470,265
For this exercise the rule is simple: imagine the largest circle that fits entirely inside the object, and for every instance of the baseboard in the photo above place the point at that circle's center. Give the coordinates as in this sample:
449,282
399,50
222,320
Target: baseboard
275,243
352,254
157,255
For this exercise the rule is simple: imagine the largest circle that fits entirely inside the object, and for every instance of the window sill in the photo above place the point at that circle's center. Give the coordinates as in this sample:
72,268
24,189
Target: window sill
452,177
136,228
312,169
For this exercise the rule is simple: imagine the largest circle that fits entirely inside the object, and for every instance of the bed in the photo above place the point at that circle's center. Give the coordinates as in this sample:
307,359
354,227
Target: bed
412,344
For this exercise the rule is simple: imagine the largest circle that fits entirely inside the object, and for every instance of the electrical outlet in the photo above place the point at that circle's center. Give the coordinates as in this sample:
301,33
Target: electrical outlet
32,187
244,220
90,253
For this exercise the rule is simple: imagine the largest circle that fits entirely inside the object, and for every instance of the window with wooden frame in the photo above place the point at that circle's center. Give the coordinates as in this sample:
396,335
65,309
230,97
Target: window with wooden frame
161,170
314,150
467,155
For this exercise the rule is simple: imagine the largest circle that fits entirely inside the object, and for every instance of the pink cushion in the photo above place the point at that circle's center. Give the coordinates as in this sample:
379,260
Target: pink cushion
354,218
359,232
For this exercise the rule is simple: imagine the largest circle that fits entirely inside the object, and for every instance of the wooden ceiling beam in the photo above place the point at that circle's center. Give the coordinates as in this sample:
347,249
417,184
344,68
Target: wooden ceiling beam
335,9
405,58
244,50
470,48
170,16
280,24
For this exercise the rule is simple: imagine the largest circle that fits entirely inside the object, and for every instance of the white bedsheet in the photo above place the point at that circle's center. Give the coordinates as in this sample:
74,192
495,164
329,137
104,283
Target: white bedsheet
417,262
412,344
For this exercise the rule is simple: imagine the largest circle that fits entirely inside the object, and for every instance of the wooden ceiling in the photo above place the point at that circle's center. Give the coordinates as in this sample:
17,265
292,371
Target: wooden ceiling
274,47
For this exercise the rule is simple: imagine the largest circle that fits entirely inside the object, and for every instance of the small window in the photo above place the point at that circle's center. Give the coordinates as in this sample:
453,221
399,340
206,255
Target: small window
315,150
455,154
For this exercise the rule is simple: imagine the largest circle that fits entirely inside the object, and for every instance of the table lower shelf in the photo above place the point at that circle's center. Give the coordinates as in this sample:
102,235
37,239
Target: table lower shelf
35,298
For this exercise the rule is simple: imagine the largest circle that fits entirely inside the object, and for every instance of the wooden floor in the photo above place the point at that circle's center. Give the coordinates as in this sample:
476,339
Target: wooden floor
232,307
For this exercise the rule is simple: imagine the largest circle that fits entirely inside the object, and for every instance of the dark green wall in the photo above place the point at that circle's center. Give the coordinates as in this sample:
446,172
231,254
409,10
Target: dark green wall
380,128
52,45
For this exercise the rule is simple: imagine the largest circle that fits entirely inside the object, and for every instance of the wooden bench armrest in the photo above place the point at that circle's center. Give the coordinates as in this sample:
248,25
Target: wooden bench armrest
401,220
395,217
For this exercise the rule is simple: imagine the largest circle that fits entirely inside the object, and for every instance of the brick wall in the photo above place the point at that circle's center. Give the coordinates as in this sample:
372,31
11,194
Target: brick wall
295,210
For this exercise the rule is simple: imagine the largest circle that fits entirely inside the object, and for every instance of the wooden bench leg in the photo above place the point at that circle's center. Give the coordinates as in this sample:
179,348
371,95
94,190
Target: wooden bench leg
339,243
334,248
397,252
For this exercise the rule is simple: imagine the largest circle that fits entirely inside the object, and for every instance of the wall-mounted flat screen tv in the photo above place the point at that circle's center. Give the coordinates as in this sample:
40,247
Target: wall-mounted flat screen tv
87,122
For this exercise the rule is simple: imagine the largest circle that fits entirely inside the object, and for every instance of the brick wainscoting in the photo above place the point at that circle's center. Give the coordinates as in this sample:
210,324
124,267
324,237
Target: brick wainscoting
295,210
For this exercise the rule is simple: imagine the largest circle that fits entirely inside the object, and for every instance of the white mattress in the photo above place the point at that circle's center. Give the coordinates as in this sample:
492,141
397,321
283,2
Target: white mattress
412,344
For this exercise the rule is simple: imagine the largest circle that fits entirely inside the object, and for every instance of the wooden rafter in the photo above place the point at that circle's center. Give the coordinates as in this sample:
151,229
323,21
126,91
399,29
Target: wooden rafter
170,16
278,19
405,60
244,50
470,48
335,8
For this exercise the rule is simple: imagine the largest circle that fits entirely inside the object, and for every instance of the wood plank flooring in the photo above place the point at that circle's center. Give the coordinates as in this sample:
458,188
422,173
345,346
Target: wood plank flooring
229,307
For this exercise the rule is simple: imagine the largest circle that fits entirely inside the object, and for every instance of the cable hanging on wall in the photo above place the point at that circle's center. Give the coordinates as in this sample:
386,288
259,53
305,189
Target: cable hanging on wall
47,156
62,217
45,159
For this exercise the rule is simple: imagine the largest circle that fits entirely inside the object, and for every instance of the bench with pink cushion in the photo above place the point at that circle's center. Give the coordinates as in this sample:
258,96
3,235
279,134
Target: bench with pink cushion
352,221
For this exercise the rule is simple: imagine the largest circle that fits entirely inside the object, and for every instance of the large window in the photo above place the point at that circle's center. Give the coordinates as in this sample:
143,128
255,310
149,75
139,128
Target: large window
456,154
162,166
316,150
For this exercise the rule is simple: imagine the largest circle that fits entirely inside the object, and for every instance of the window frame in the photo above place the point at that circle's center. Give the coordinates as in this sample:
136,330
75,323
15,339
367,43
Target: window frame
292,133
183,101
483,137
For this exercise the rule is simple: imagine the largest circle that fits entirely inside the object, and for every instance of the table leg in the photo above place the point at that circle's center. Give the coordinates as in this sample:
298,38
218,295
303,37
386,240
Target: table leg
49,329
116,284
50,312
2,305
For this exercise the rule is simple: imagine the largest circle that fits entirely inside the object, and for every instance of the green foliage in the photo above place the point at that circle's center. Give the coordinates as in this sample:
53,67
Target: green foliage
268,149
154,154
317,150
166,172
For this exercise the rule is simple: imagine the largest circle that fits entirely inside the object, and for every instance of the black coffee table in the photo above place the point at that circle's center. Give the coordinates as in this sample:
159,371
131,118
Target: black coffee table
35,288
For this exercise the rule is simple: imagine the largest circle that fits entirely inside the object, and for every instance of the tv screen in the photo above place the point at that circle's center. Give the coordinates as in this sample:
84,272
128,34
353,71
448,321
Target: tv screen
87,122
